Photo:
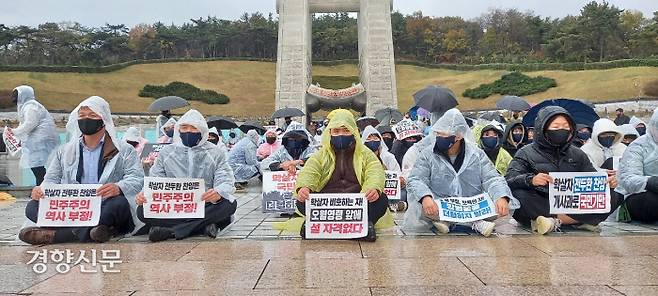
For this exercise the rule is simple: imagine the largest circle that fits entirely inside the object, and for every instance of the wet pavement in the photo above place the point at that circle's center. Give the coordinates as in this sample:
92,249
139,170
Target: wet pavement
251,258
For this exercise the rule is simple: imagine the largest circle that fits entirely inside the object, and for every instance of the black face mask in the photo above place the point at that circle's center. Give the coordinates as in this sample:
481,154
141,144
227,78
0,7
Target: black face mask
559,137
270,140
213,140
14,97
166,114
389,142
132,143
90,126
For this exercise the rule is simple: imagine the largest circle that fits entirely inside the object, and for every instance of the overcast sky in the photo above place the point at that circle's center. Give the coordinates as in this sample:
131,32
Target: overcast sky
132,12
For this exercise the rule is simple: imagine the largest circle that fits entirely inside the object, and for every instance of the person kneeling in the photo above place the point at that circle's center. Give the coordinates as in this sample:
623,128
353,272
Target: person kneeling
454,167
192,156
344,165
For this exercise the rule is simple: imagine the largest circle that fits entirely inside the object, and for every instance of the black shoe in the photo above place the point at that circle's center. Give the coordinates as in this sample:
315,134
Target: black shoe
211,231
223,224
372,236
37,236
302,232
158,234
100,234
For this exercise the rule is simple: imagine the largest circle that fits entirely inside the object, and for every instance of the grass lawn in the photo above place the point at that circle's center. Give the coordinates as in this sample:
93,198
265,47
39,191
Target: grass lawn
251,85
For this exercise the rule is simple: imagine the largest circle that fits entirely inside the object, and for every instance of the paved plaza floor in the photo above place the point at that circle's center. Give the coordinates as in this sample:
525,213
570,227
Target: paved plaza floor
251,258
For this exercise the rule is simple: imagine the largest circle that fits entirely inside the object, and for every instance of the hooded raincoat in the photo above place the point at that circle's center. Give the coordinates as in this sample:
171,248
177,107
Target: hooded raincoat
242,157
203,161
640,161
282,155
164,139
435,176
37,130
593,148
387,159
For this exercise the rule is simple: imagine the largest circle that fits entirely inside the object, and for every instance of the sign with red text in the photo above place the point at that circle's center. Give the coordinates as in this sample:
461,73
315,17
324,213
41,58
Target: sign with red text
579,193
406,128
69,205
277,192
336,216
392,185
12,143
173,198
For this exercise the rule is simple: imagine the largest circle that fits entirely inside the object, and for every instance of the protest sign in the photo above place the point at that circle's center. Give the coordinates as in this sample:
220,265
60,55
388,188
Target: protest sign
406,128
69,205
336,216
151,151
12,143
173,198
277,192
466,209
579,193
392,185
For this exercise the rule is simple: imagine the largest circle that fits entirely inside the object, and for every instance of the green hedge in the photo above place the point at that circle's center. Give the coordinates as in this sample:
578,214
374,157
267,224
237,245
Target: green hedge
514,83
461,67
184,90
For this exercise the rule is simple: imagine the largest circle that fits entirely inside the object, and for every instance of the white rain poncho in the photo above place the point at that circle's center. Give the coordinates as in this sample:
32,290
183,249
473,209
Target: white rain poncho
388,159
628,130
282,155
123,169
636,121
243,159
204,161
164,139
640,161
37,130
434,175
133,134
595,151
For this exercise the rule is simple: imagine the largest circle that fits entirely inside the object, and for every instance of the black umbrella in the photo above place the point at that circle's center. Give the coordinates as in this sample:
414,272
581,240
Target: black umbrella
287,112
512,103
388,115
435,98
221,123
362,122
252,125
168,103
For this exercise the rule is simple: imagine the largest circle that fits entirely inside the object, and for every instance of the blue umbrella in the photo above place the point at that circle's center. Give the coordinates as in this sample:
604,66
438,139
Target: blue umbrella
579,111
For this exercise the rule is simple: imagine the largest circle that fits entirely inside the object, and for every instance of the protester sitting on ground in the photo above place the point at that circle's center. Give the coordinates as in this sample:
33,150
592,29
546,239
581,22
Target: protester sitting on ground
295,150
192,156
638,175
243,160
388,136
134,138
344,165
373,140
629,134
93,155
270,146
454,167
528,174
167,130
514,137
604,145
639,125
583,134
404,142
490,140
36,131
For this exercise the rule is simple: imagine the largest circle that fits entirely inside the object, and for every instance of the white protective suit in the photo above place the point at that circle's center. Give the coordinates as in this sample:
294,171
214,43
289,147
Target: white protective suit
595,151
388,159
124,169
282,155
203,161
640,161
36,131
435,176
243,159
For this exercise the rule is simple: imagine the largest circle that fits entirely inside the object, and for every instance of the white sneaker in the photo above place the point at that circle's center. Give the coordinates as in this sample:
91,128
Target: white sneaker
483,227
442,227
544,225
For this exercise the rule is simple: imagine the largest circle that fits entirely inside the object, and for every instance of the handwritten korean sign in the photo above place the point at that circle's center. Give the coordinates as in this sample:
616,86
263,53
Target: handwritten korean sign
336,216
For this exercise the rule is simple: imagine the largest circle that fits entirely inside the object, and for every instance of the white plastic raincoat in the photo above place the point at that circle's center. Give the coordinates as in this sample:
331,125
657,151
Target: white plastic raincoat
595,151
243,159
37,130
203,161
282,155
640,161
435,176
388,159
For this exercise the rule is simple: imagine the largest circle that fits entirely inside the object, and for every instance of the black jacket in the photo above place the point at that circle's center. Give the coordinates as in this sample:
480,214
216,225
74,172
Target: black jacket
507,141
542,157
